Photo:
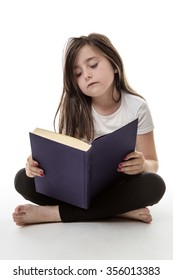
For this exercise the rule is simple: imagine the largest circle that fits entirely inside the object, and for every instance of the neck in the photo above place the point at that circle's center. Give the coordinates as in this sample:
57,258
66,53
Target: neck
107,105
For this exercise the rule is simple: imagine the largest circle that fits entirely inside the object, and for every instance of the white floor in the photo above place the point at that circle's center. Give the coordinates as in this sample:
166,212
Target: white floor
113,239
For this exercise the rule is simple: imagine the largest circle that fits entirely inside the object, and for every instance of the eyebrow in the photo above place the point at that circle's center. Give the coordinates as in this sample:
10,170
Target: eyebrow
87,60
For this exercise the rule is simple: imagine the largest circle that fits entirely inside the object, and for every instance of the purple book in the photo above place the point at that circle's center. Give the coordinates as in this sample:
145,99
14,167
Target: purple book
75,172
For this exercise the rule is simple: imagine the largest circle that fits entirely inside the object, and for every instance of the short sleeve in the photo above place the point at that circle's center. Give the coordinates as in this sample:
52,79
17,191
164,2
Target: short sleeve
145,123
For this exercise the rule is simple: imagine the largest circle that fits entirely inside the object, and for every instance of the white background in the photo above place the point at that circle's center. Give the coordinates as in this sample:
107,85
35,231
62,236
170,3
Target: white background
32,37
33,34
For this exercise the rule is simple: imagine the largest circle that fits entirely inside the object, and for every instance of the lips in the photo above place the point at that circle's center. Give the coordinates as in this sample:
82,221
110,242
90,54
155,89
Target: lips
91,84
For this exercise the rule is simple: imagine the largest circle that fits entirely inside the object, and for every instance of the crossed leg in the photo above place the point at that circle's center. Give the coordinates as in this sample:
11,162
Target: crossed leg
32,214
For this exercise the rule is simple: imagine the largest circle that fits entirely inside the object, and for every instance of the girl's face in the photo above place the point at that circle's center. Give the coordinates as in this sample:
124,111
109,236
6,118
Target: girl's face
93,72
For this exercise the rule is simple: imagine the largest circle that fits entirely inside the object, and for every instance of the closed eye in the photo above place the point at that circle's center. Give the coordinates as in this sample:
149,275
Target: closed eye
91,66
94,65
78,75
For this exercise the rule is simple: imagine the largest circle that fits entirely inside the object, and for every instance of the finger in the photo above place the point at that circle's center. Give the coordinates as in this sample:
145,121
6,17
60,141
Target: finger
29,174
135,158
130,162
130,155
132,172
32,171
31,161
131,169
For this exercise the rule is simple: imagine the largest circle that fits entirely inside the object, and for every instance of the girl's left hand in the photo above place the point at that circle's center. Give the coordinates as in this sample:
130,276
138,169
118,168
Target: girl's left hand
134,163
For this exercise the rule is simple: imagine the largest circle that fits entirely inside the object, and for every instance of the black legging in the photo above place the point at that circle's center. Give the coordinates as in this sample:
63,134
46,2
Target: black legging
133,192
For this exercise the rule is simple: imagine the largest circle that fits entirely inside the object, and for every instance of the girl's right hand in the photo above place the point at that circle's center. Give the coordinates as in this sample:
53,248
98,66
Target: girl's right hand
32,169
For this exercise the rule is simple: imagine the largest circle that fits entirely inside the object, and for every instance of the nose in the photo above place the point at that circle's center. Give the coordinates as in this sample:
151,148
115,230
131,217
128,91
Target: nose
87,75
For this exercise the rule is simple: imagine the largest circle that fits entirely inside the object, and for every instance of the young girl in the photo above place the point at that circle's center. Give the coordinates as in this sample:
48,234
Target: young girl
96,100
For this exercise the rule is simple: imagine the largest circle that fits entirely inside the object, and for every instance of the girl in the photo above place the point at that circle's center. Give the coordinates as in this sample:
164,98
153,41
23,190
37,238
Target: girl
96,100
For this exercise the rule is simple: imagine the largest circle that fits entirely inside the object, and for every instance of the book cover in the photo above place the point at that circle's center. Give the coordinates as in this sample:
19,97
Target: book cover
75,174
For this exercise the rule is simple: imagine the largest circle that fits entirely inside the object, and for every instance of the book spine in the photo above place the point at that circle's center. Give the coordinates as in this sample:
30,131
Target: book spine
87,178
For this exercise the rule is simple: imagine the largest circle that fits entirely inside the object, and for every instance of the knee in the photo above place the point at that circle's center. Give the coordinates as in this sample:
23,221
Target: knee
19,180
157,186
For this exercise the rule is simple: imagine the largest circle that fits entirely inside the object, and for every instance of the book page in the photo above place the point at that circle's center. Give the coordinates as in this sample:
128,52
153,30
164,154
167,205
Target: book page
63,139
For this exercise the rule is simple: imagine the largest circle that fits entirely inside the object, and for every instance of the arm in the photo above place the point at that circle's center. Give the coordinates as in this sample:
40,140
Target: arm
144,159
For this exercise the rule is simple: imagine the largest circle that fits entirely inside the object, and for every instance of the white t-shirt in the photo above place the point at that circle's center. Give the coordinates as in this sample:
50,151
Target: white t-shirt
131,107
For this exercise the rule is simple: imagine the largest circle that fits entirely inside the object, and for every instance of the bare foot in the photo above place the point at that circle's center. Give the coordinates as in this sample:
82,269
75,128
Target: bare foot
33,214
142,214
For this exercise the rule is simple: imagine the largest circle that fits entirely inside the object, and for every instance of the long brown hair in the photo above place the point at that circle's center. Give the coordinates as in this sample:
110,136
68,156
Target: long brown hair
75,107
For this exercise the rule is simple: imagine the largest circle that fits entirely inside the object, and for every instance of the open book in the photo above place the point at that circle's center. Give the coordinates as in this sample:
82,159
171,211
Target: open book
75,172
